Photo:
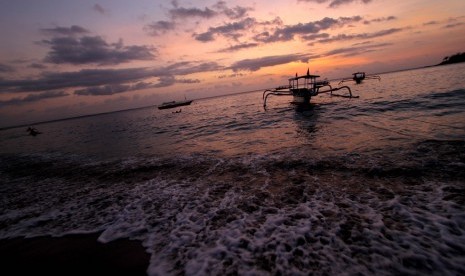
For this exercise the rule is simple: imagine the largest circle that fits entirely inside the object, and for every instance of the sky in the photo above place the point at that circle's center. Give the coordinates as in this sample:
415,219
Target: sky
66,58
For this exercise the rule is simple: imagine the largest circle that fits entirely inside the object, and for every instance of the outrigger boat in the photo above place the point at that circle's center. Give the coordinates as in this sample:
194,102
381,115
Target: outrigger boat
303,88
359,77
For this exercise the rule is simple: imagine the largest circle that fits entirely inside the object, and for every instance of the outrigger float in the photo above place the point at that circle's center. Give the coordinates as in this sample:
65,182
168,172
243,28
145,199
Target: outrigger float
359,77
303,88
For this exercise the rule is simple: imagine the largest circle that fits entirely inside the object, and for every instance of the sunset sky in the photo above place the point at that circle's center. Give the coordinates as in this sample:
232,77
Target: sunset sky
63,58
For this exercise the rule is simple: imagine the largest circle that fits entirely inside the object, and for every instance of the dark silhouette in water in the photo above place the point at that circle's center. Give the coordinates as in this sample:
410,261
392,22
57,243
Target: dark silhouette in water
32,131
459,57
303,88
359,77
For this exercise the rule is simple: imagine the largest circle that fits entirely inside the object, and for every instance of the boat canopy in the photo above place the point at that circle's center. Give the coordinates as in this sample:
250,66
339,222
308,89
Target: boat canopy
307,81
304,77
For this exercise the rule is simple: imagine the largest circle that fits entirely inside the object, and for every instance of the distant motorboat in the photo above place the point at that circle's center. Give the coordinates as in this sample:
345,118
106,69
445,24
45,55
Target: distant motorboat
173,104
358,77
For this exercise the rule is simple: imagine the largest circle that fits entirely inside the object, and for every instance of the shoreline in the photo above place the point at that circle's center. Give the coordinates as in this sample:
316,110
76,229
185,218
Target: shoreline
74,254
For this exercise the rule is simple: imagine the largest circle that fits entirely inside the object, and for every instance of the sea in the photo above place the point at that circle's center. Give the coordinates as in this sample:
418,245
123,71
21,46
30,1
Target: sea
373,185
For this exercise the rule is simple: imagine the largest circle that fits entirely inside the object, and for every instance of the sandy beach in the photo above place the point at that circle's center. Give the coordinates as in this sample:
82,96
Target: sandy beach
79,254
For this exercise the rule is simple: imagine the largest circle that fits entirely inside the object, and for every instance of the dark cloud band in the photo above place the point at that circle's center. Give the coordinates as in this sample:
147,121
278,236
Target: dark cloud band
93,49
33,98
258,63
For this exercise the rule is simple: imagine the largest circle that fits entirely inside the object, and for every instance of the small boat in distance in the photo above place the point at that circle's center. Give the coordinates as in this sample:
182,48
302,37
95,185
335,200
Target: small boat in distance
33,131
174,104
358,77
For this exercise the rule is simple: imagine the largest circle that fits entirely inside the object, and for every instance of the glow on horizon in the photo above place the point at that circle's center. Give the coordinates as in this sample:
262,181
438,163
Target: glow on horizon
146,52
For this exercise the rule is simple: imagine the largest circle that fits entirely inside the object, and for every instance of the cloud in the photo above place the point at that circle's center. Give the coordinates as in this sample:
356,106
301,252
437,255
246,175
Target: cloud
315,36
314,1
453,25
33,98
235,75
258,63
89,78
99,9
93,49
232,13
103,90
66,31
380,19
449,23
238,47
159,27
37,66
336,3
344,37
163,81
288,32
82,78
355,51
186,68
6,68
111,89
219,8
431,23
229,30
177,13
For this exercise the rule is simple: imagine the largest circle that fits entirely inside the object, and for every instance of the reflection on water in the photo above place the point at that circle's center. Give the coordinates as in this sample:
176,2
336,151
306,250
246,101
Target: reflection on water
307,123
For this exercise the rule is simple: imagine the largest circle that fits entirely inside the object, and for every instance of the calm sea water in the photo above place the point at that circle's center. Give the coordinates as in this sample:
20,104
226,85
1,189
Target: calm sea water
373,185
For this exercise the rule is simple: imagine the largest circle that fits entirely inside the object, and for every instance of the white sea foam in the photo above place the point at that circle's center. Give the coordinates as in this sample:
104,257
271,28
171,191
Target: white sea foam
252,217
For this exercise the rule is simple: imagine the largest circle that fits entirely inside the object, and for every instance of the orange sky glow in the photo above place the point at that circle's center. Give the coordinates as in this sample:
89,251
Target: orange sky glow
60,59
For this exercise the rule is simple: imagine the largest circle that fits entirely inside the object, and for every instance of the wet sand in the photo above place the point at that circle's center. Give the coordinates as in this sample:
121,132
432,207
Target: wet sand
79,254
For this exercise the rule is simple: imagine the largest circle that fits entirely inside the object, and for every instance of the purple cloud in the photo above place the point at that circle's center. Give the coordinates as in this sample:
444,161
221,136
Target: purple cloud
165,81
159,27
354,51
258,63
178,13
6,68
288,32
99,9
37,66
232,13
344,37
103,90
93,49
66,31
229,30
238,47
431,23
89,78
380,19
337,3
453,25
33,98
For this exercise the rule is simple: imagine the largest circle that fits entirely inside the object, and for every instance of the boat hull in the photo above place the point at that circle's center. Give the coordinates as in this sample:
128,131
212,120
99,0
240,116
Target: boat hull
302,95
174,104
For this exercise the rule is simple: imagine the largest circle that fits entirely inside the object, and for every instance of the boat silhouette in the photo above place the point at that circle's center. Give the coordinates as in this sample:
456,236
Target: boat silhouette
174,104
